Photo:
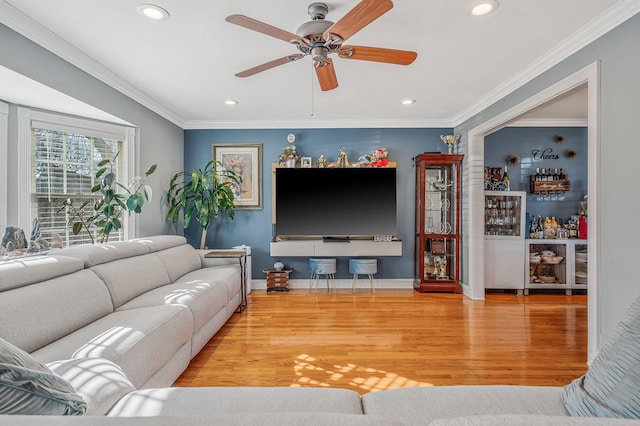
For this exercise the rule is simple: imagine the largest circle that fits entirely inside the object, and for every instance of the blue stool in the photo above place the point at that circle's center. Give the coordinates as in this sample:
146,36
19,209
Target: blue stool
325,267
363,267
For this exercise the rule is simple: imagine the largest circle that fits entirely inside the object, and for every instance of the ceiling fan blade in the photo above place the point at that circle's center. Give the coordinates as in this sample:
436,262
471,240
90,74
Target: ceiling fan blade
378,54
327,76
357,18
261,27
270,64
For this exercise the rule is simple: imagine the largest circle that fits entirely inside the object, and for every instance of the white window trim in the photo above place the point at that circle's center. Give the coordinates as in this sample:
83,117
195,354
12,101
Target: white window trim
26,118
4,164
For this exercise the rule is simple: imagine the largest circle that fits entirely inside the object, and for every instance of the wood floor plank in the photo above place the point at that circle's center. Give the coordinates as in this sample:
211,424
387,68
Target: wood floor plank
395,338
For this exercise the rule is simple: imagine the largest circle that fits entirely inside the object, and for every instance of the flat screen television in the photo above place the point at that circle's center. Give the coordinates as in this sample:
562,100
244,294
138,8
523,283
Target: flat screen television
335,202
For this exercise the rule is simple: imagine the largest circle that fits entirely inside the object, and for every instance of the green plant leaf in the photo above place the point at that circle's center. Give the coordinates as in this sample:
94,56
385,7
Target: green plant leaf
132,202
108,210
100,172
108,196
104,162
77,227
150,170
108,179
148,192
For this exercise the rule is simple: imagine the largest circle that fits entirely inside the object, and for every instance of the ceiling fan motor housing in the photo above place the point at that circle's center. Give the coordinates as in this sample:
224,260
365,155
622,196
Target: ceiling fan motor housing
318,10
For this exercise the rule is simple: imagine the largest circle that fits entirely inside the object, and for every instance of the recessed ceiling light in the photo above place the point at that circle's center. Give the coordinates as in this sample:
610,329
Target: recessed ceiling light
231,102
484,7
153,12
408,101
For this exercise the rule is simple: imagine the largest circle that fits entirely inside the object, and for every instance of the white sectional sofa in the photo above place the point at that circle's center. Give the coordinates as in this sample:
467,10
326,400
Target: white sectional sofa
118,323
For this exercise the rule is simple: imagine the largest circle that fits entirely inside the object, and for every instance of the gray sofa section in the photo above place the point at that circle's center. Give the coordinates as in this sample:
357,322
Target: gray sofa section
120,322
149,305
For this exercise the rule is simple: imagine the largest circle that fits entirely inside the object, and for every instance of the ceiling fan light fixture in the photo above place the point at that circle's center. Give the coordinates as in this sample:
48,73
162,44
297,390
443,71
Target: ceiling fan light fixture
231,102
484,7
408,101
153,12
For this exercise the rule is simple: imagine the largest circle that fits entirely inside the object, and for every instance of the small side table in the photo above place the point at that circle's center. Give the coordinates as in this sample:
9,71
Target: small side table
241,255
277,280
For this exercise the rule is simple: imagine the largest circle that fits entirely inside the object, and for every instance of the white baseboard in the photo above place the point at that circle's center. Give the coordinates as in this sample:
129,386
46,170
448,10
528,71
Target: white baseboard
346,283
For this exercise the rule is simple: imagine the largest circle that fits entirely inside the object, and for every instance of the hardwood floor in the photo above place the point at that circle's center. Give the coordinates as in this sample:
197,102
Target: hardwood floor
394,339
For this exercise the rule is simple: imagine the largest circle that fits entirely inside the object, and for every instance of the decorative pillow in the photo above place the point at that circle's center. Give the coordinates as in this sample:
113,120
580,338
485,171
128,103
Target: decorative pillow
610,386
28,386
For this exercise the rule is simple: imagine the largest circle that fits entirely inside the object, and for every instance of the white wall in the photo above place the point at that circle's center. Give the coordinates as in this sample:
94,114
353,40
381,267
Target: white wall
161,142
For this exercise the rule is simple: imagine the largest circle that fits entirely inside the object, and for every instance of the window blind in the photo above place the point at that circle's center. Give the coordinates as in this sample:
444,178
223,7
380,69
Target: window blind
64,165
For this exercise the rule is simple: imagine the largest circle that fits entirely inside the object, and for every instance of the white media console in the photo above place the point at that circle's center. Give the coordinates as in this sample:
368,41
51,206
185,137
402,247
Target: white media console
309,248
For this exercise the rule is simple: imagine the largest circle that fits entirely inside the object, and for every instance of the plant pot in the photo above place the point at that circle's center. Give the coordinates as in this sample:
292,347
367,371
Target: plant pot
291,163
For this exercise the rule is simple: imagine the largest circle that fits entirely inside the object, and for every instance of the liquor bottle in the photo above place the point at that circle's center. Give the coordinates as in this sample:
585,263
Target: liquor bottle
505,179
556,176
537,177
562,175
543,176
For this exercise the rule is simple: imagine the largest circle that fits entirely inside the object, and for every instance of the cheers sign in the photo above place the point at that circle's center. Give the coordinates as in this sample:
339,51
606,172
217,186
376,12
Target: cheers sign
544,154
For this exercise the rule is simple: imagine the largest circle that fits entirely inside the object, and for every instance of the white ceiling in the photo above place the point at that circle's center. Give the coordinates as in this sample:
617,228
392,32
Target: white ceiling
184,68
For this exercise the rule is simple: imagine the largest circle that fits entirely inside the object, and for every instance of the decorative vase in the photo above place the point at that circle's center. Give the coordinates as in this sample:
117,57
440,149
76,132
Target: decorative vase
278,266
450,140
291,163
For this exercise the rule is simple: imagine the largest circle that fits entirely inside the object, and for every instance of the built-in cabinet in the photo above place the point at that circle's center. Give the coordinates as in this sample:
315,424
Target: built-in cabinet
504,237
437,223
556,264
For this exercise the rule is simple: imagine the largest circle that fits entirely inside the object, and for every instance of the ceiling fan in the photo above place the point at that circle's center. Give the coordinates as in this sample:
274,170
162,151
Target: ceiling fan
319,38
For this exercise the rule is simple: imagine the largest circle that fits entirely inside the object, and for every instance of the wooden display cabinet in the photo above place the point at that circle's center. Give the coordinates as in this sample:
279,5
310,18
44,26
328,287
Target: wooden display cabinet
437,223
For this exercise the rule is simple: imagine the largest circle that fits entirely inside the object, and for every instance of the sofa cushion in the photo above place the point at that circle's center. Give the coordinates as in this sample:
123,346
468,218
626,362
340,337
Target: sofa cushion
420,405
131,277
236,400
20,272
141,341
179,260
28,386
100,382
161,242
95,254
610,388
203,297
310,418
529,420
36,315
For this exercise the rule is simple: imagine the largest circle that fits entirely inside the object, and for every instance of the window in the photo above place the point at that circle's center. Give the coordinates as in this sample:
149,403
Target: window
64,167
64,156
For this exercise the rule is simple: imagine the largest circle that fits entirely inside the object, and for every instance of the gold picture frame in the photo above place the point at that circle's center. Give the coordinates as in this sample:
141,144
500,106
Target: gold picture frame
246,161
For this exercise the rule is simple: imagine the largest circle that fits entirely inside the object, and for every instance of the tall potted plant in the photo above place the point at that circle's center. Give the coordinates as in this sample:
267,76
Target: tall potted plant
205,196
113,200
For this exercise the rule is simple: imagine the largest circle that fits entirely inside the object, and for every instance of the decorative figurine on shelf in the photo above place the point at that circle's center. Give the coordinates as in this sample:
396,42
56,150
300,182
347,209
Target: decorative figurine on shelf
322,163
289,156
379,158
343,162
450,140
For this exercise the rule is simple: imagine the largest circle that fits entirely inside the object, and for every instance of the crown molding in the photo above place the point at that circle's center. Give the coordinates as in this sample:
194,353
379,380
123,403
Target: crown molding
27,27
611,18
316,124
550,122
22,24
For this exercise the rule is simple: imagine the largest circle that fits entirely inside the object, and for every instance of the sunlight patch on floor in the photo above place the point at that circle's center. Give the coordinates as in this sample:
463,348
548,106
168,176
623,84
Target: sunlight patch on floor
309,373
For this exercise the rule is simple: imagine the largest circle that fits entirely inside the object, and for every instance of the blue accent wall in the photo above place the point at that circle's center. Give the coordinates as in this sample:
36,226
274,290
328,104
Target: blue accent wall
523,141
253,227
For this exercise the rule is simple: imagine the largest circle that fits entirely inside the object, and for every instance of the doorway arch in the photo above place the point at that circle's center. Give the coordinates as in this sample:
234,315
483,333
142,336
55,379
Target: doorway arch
474,188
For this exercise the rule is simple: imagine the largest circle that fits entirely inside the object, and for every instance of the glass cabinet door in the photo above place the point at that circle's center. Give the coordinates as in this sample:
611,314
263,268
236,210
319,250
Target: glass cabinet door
437,222
503,213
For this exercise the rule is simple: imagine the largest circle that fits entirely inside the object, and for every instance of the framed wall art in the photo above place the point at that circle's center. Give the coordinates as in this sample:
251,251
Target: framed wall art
305,162
246,161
